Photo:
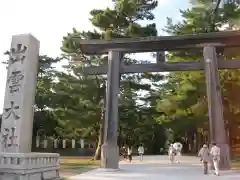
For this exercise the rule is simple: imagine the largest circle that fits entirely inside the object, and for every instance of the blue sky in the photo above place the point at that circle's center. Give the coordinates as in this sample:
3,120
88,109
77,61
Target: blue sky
50,20
169,9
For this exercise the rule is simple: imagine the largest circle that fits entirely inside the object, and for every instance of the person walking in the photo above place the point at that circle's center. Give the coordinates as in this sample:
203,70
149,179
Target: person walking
124,152
178,148
215,154
141,151
129,152
171,153
204,154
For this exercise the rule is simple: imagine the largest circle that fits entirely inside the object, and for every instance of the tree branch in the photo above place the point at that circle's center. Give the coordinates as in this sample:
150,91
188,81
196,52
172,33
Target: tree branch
217,6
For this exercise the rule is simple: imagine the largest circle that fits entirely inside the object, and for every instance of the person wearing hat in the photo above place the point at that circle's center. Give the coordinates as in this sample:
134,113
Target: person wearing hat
204,154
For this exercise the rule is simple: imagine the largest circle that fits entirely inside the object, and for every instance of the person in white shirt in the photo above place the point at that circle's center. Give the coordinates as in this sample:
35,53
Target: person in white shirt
171,153
178,147
129,151
215,154
141,151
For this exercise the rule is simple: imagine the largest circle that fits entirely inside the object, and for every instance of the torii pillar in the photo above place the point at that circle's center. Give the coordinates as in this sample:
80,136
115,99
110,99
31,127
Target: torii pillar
110,150
215,105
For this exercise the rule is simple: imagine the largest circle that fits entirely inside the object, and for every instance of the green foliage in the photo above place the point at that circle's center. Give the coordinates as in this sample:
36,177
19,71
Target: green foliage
183,98
44,118
123,20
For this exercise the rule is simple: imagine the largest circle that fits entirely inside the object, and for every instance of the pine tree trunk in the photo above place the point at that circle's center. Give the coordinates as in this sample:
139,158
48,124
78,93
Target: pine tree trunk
97,155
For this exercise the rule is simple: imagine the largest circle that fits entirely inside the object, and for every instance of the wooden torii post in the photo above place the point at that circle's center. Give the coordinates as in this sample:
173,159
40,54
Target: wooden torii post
117,47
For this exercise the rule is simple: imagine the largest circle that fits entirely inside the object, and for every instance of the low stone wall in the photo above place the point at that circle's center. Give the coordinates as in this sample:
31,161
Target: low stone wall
67,152
29,166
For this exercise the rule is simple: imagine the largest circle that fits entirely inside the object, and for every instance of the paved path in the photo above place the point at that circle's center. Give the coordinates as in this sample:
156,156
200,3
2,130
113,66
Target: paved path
155,168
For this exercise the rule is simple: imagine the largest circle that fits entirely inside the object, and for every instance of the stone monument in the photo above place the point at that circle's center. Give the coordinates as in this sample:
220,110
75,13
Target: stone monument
16,159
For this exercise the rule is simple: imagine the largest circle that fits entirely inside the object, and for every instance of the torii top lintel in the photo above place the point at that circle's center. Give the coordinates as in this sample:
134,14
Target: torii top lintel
160,43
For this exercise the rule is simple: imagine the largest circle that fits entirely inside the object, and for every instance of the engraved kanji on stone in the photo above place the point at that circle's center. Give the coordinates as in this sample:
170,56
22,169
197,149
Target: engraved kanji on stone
11,110
12,137
14,81
17,54
6,137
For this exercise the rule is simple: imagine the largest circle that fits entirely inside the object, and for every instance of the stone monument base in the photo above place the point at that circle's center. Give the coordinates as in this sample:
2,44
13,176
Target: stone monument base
29,166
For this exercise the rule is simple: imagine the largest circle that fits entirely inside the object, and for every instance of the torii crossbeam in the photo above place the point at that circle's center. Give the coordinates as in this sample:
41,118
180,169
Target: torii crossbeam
210,64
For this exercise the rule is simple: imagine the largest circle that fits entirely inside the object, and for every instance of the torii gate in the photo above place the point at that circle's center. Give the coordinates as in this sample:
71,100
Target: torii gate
117,47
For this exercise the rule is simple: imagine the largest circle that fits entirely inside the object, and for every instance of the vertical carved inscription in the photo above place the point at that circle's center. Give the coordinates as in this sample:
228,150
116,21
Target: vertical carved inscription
5,135
11,111
17,54
14,81
8,137
12,137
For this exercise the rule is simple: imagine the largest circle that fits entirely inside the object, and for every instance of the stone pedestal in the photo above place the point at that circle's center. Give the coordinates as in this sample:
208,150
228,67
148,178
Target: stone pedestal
29,166
110,156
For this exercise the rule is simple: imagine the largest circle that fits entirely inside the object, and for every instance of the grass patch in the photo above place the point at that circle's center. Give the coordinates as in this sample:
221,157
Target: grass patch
77,162
70,166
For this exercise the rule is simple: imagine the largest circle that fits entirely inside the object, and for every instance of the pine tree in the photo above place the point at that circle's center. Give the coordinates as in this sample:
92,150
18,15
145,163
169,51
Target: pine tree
121,21
188,104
